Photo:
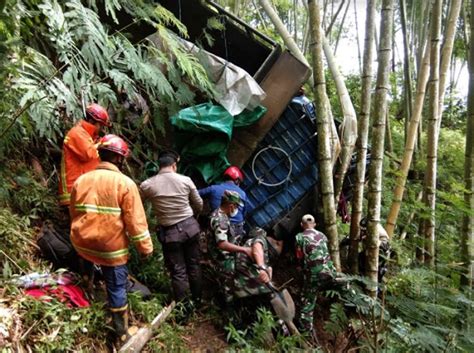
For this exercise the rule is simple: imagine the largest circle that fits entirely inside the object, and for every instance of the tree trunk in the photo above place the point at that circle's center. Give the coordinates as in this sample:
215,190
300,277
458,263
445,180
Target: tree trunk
378,138
406,68
359,57
446,52
348,128
340,29
429,191
324,131
467,245
388,134
328,30
281,29
410,143
295,22
363,127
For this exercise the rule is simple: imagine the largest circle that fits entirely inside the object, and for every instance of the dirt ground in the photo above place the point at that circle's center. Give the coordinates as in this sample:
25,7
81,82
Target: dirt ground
204,336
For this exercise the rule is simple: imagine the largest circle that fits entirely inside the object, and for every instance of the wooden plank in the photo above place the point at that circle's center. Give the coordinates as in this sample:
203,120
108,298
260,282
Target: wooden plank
143,335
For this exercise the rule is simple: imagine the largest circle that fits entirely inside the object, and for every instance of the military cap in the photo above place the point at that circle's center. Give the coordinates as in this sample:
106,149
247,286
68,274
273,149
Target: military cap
307,218
230,196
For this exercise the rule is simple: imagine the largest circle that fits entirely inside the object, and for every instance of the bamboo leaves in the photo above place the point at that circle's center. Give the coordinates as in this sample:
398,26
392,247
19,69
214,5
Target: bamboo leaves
88,64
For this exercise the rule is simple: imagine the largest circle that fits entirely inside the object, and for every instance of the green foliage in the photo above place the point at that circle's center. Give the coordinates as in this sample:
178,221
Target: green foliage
432,314
144,311
151,271
263,334
70,59
420,311
15,243
168,339
55,327
20,191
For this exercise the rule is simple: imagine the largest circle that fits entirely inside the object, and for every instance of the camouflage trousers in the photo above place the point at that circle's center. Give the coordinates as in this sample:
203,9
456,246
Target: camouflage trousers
314,284
309,296
225,275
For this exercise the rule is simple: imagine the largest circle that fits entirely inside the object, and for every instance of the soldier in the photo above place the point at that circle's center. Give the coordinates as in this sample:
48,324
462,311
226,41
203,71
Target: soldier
223,243
318,269
233,177
251,274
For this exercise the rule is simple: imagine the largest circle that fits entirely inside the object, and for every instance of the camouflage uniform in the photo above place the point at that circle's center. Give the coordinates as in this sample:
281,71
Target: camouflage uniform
222,231
318,270
246,281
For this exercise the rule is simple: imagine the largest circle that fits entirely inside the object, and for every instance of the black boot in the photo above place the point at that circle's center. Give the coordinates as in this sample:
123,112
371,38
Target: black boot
120,325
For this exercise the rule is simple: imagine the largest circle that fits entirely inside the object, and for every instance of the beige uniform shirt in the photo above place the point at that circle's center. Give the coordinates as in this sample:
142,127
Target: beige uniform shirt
174,197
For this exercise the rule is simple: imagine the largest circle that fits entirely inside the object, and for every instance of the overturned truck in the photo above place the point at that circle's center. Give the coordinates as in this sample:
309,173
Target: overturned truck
278,152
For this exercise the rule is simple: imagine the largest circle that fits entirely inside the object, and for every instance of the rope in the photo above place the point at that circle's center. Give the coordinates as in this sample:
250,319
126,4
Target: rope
290,169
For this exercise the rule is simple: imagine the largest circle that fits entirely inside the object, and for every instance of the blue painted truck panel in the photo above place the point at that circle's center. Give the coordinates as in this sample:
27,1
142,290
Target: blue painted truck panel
283,168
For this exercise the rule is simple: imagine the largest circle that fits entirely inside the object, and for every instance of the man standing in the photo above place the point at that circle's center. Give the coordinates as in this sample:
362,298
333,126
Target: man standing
80,150
174,197
232,178
106,214
318,269
224,244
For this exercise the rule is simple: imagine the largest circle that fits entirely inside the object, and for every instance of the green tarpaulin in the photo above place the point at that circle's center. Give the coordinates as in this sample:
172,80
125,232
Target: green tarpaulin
203,133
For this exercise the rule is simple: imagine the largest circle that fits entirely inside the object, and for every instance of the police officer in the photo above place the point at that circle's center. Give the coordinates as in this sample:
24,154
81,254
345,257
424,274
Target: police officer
318,268
175,199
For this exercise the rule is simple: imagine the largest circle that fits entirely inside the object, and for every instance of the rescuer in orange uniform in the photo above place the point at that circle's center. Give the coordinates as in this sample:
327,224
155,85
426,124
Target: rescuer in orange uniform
106,214
80,149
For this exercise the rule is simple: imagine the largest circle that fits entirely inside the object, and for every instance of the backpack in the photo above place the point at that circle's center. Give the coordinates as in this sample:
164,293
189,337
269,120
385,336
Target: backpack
55,246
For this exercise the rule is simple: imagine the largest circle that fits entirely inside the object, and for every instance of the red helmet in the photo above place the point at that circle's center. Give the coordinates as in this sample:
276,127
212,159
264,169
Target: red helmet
98,113
115,144
234,173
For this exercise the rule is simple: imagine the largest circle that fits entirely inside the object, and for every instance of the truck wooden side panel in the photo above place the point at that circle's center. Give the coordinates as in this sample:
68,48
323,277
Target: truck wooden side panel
280,84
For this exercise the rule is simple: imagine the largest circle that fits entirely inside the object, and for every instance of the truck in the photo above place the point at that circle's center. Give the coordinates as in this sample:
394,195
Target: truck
278,154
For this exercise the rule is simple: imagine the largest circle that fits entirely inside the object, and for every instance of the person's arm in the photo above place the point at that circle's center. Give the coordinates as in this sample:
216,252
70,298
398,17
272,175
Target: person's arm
194,199
135,222
143,190
244,207
258,255
227,246
82,146
205,192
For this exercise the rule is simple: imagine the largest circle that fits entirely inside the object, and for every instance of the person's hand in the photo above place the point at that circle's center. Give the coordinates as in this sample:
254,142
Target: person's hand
144,257
265,276
248,251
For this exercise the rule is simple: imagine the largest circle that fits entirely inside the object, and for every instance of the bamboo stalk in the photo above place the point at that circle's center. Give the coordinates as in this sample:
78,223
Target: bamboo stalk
429,190
410,144
363,128
324,131
378,137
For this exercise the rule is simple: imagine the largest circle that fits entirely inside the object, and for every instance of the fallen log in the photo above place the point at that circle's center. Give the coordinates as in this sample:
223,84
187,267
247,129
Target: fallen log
143,335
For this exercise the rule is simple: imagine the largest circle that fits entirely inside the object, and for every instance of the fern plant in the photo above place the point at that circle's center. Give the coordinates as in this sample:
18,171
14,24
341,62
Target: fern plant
72,59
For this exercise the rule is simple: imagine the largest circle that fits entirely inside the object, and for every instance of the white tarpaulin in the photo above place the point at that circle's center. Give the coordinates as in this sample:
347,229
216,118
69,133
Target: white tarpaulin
236,89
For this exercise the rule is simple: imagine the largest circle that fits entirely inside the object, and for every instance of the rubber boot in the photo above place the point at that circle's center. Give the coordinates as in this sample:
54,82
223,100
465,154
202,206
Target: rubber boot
120,325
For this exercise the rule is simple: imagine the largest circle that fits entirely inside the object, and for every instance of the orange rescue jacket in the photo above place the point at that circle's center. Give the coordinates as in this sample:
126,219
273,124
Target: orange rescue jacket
79,156
106,213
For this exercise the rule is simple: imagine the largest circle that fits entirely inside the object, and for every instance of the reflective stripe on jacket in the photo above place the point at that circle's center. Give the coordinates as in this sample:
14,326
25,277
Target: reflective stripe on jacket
106,214
79,156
